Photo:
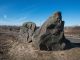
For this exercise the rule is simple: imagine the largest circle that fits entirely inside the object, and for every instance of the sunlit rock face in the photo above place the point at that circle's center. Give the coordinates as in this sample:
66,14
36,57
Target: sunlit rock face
50,36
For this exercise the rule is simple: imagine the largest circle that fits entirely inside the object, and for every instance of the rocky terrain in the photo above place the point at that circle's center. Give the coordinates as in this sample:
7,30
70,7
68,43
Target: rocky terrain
31,43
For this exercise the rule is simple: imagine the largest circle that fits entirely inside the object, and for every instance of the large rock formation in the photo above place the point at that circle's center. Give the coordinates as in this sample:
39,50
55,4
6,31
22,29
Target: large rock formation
26,31
50,36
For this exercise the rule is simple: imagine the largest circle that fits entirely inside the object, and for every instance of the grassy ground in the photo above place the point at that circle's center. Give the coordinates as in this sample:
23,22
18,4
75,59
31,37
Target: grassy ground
12,49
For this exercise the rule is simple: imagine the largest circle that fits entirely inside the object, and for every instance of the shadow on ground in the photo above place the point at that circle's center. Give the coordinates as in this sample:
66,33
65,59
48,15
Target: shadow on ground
70,45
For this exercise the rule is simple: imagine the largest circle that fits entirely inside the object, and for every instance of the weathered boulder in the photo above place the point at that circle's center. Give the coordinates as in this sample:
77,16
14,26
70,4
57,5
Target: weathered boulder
50,36
28,25
26,31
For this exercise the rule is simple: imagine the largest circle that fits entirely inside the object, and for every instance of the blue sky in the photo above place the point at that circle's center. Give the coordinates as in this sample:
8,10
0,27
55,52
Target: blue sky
16,12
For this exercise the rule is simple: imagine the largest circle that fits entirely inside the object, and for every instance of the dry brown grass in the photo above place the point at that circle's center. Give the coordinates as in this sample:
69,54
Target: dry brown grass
27,52
11,49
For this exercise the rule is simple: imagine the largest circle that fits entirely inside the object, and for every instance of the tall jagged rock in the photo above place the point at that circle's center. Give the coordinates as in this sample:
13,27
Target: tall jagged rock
50,36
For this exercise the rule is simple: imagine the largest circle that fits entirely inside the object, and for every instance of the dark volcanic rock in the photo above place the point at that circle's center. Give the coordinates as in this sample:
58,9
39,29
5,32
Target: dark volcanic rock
27,31
50,36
